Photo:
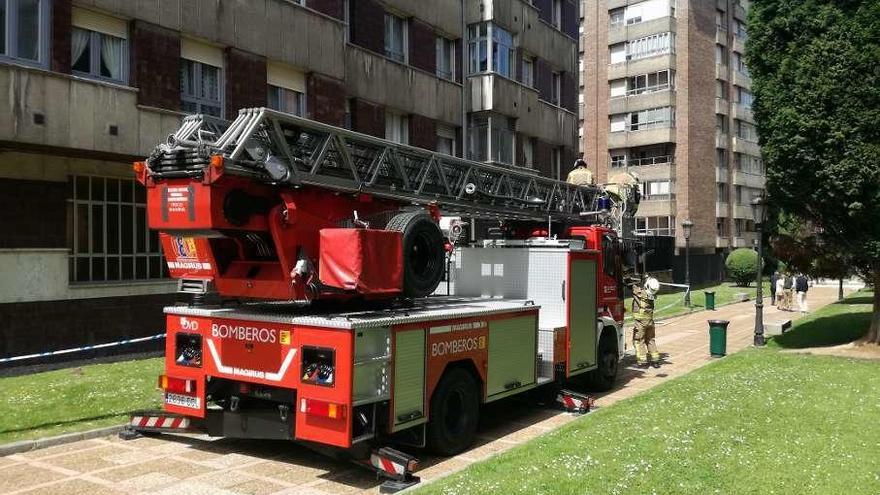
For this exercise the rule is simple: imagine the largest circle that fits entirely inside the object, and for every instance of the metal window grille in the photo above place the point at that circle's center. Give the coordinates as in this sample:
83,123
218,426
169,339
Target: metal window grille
107,232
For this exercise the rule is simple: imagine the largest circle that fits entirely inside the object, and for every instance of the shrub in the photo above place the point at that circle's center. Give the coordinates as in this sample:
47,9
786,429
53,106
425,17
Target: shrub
741,265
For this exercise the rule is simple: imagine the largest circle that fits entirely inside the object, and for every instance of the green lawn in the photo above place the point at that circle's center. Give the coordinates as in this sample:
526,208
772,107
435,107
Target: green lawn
76,399
671,302
759,421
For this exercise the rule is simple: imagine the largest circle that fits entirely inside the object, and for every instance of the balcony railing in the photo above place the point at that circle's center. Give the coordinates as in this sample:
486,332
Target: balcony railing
644,90
658,197
640,162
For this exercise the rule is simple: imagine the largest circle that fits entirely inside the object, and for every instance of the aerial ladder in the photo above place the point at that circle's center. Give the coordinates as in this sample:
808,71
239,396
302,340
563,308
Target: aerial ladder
274,206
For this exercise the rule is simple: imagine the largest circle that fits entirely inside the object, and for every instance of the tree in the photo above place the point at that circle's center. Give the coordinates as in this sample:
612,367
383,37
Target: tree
741,266
815,67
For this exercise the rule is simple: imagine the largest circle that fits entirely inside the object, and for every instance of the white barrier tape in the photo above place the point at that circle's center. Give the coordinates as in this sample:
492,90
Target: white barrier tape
82,349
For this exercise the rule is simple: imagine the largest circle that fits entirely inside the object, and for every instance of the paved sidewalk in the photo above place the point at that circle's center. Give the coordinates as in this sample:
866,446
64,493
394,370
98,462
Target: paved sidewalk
197,465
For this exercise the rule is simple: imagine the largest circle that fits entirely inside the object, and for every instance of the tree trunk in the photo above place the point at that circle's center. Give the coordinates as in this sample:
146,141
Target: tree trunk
840,290
874,330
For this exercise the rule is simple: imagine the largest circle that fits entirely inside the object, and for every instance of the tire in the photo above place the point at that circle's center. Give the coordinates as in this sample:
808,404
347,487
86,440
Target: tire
455,412
602,378
424,255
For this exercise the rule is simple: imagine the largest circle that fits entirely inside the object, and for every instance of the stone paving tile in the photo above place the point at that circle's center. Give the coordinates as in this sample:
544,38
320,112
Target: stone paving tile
351,481
74,486
283,471
190,487
92,459
62,449
8,461
148,481
24,476
179,469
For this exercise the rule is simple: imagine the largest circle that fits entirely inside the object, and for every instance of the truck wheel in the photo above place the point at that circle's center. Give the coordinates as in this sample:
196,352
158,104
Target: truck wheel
455,411
603,377
423,252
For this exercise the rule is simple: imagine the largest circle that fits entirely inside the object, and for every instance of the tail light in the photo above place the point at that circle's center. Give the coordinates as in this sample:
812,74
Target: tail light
177,385
324,409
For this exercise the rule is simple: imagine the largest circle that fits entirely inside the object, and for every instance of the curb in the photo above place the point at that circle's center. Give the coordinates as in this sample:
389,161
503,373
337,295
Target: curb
42,443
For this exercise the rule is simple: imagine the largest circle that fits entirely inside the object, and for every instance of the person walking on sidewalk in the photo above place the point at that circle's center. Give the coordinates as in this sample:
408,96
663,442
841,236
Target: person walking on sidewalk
780,292
773,279
801,285
788,286
643,314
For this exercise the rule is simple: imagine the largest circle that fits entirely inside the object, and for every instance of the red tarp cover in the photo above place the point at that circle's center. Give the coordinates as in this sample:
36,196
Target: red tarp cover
365,260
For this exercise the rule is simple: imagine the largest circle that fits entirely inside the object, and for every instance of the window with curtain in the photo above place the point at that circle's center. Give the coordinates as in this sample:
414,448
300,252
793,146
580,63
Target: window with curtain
528,71
445,58
446,140
395,38
24,30
397,127
200,88
98,55
286,100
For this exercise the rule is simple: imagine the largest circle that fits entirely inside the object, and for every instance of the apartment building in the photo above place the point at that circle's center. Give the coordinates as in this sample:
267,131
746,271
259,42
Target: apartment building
665,94
90,85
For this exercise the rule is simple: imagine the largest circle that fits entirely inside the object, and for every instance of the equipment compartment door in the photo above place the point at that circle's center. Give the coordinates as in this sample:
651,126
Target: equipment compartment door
512,355
581,304
409,379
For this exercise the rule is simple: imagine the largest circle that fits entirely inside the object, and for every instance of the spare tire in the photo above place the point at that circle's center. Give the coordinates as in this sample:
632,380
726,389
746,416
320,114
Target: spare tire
423,252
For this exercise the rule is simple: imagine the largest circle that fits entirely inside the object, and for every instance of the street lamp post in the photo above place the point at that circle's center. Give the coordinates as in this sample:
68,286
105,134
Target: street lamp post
759,208
687,225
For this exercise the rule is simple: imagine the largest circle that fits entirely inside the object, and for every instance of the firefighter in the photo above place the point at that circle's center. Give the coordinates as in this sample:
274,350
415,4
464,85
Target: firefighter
643,314
580,175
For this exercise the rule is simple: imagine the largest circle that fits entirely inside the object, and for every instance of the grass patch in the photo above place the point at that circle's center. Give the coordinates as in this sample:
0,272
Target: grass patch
76,399
670,303
835,324
759,421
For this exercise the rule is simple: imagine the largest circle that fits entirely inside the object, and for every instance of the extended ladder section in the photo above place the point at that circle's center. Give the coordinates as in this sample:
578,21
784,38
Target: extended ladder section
278,148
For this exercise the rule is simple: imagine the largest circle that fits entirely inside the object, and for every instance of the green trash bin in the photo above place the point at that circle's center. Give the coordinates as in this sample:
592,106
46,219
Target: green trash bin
710,300
718,337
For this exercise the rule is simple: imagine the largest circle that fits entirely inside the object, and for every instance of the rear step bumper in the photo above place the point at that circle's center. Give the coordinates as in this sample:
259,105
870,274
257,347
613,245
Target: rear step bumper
264,424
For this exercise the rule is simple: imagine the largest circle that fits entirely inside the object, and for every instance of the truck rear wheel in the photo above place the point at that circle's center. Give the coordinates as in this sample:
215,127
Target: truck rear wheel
423,252
455,411
603,377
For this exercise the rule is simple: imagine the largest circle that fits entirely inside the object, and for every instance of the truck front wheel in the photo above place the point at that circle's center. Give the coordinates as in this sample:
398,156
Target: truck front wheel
603,377
455,411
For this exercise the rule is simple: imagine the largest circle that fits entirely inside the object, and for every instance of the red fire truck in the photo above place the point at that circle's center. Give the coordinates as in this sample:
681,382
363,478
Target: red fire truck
309,324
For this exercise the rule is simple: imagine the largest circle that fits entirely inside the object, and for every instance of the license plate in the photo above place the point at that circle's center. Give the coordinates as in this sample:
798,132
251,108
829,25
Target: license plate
183,401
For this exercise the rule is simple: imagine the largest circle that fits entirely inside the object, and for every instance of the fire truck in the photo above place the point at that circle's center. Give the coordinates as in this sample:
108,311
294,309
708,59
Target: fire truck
314,256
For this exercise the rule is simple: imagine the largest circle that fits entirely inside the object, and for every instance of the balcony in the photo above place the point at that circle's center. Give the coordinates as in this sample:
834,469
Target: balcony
742,211
77,113
491,92
722,106
721,174
643,99
742,112
720,36
376,78
656,206
721,241
624,32
739,44
721,139
741,145
641,66
740,178
629,139
540,39
721,210
742,79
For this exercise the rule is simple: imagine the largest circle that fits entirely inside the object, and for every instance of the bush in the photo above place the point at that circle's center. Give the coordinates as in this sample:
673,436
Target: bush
741,265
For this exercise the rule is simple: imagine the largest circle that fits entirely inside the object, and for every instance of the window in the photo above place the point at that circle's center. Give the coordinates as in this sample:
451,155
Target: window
286,100
664,226
24,30
478,42
395,37
651,118
721,19
491,138
749,164
649,46
528,71
556,88
738,223
618,122
721,227
744,97
528,152
721,158
107,232
617,53
721,189
740,30
656,189
659,154
503,52
556,164
200,88
720,90
98,47
721,122
618,160
445,58
556,14
500,58
739,63
638,12
720,54
396,127
286,89
446,140
649,83
746,131
616,17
